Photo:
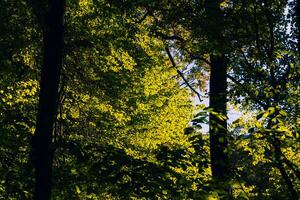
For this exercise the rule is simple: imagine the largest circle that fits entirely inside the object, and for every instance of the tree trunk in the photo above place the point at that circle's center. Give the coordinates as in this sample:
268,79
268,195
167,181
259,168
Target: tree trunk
217,93
217,119
43,152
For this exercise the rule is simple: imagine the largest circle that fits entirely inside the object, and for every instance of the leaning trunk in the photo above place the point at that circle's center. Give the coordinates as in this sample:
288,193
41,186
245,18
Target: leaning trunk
48,100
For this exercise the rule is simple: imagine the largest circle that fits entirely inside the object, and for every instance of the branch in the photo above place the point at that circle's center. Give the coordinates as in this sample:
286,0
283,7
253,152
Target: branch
181,74
180,39
196,57
247,91
169,37
250,67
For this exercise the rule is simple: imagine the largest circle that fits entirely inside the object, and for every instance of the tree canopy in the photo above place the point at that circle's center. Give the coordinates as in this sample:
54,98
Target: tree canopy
107,99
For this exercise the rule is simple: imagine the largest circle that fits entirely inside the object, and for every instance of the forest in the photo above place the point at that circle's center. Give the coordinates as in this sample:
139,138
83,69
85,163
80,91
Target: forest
149,99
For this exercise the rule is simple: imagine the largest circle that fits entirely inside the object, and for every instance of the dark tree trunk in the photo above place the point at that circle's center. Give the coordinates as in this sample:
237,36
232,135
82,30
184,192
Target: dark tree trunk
43,151
217,93
217,119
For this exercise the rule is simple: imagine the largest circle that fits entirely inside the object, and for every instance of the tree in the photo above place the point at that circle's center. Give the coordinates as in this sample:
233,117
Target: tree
18,88
269,64
120,99
217,93
53,45
189,33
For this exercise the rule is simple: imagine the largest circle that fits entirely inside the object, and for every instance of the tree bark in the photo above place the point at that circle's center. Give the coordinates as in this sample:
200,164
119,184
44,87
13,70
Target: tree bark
53,44
217,93
217,119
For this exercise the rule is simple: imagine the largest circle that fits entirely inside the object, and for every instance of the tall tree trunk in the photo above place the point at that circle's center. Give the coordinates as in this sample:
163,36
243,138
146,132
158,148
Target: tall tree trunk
53,43
217,118
217,92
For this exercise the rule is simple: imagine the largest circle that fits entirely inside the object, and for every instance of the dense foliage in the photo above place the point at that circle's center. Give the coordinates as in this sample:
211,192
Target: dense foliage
129,122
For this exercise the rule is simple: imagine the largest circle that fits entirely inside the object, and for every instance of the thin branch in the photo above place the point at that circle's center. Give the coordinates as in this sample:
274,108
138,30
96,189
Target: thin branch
246,59
182,41
248,91
181,74
197,57
169,37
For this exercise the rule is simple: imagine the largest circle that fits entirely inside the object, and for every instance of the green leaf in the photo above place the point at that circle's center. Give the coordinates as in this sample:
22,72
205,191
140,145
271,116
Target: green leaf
77,189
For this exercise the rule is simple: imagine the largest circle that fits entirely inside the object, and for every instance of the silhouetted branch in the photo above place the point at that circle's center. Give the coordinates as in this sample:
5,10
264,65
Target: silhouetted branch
248,91
181,74
169,37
